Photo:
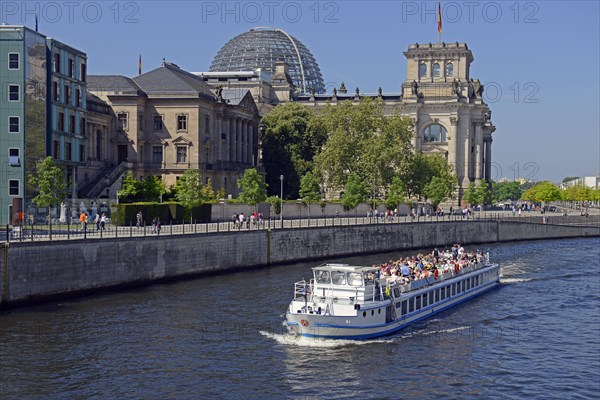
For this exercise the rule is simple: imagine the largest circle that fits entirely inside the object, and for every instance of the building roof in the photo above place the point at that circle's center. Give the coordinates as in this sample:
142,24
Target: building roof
112,83
169,78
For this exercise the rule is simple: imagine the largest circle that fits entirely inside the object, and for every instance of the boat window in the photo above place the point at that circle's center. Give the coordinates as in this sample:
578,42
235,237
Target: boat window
453,289
468,284
418,306
477,280
437,295
322,277
411,304
425,300
459,286
364,313
396,292
443,296
398,304
355,279
370,278
404,307
431,297
338,278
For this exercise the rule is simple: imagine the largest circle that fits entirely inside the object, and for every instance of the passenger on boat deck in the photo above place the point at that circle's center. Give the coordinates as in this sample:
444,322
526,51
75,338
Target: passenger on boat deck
405,270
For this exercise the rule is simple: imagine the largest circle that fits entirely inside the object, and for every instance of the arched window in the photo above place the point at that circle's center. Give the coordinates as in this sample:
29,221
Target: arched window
422,70
434,133
449,69
436,70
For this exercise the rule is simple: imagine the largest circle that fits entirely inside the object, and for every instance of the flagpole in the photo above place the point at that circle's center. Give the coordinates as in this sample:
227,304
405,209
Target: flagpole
439,22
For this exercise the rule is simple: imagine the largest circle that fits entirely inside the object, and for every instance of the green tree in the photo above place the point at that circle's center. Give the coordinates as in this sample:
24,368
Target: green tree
395,194
421,170
503,191
48,182
437,191
290,140
208,193
275,202
543,192
310,190
470,194
355,192
189,189
131,189
578,193
362,141
254,189
152,188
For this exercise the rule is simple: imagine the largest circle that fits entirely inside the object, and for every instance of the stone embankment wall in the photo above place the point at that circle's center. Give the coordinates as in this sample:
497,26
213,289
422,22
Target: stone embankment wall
31,271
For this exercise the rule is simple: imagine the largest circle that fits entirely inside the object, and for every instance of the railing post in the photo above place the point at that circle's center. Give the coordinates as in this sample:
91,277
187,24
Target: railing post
171,226
130,229
7,234
85,230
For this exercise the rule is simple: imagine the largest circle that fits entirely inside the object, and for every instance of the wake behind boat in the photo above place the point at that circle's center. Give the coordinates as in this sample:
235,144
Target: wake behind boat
357,302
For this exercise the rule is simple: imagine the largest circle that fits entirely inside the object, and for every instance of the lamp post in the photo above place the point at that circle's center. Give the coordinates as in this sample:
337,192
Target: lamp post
281,201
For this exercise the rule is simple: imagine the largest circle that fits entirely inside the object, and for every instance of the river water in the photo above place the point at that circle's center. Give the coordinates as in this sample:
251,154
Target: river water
221,337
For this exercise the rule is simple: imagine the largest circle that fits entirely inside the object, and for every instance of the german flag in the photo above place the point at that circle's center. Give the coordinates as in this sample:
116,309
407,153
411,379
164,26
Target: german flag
140,65
439,18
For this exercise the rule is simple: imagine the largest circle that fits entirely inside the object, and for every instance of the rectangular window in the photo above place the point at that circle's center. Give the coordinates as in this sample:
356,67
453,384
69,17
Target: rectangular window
404,307
158,123
71,68
61,122
425,300
122,121
14,93
157,154
443,294
67,94
82,126
418,305
141,122
13,187
81,152
411,304
431,297
14,61
68,149
57,63
437,295
56,151
181,154
453,289
182,122
13,157
83,72
56,91
14,125
78,97
71,124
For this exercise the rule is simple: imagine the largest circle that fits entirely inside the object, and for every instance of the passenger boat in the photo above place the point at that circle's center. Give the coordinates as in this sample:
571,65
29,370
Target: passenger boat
357,302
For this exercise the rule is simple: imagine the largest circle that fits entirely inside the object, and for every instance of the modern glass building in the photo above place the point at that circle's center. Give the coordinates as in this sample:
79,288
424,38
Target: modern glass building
30,112
261,48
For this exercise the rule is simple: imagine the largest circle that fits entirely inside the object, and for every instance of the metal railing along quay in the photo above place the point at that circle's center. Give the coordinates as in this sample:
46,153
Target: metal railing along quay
76,232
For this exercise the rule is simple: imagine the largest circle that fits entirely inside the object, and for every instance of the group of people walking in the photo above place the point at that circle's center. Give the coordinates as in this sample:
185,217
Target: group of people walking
256,218
99,220
156,224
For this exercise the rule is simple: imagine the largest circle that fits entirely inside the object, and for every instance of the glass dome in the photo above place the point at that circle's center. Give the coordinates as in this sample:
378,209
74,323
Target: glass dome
261,48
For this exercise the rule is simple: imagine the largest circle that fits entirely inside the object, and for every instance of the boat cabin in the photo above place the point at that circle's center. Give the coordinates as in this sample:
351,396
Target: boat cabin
343,281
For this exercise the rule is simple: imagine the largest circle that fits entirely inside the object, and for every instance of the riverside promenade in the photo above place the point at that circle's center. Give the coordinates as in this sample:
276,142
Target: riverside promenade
41,267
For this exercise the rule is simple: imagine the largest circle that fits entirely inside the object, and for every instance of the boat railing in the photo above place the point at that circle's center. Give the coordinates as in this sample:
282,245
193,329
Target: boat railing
303,289
442,276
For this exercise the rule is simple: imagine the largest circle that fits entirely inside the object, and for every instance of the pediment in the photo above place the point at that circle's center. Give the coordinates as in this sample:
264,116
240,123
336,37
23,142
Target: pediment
182,141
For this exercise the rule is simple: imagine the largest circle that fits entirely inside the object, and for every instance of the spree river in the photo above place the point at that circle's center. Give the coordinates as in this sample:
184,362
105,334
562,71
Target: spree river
221,337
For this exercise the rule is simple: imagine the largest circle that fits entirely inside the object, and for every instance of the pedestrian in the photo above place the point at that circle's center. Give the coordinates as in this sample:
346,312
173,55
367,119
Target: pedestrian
138,219
157,225
97,221
260,219
236,219
83,220
153,225
103,221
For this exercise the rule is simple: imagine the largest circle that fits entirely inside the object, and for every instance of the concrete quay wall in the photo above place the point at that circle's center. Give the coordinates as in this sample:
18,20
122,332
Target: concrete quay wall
33,271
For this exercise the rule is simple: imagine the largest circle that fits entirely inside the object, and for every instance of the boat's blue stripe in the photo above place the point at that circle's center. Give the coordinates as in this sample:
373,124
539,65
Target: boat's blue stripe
490,286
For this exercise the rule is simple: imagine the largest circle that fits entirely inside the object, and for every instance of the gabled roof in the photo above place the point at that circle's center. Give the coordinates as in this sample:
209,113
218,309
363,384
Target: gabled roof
239,97
112,83
169,78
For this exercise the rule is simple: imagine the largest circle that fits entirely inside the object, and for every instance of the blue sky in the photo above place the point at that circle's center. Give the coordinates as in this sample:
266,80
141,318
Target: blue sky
539,60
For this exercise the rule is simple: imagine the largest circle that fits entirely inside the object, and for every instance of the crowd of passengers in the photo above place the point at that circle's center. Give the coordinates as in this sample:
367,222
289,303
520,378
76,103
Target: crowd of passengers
424,266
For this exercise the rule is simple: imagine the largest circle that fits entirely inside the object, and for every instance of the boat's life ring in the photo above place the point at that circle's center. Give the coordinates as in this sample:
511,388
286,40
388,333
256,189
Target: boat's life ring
304,322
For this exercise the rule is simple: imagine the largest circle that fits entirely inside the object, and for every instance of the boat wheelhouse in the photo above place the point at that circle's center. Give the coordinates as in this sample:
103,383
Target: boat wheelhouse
357,302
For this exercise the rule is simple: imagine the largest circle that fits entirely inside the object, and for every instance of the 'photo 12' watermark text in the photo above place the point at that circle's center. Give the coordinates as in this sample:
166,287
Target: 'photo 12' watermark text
54,12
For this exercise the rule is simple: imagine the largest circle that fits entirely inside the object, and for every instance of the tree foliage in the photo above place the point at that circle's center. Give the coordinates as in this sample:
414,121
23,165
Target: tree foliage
290,140
355,192
578,193
362,141
395,194
503,191
254,189
310,190
421,170
437,191
48,182
149,189
189,189
543,192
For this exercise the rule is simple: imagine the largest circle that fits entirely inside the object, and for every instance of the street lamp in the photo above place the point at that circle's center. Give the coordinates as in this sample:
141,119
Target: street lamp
281,201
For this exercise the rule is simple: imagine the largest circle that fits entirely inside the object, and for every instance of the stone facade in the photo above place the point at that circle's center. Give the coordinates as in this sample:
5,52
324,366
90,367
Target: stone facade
167,121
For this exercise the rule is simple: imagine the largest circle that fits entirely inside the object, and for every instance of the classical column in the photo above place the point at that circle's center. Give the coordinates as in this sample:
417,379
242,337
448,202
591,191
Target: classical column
219,139
452,140
488,159
466,131
244,141
238,137
250,143
478,151
231,141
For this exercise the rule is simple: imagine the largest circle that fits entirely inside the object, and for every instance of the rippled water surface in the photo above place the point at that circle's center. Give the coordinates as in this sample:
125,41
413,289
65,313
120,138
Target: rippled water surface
537,336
